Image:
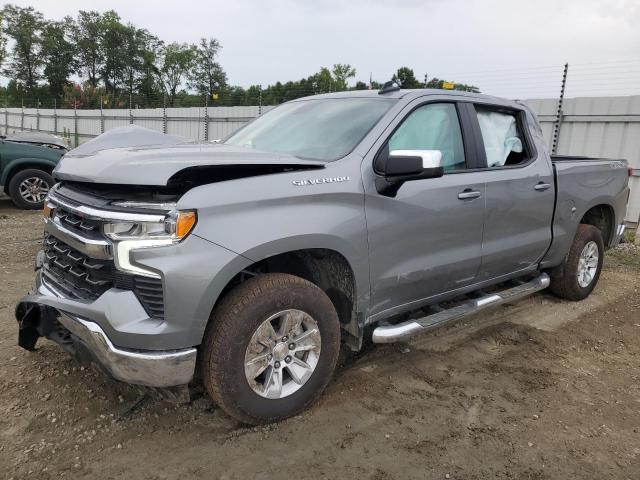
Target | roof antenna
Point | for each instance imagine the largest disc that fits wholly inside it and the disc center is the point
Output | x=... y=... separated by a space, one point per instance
x=389 y=87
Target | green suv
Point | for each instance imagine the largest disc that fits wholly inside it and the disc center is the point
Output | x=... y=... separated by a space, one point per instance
x=26 y=162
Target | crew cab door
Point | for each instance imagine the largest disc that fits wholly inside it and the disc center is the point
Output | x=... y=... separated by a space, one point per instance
x=426 y=238
x=519 y=193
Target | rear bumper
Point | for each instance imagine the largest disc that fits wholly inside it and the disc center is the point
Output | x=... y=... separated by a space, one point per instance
x=87 y=341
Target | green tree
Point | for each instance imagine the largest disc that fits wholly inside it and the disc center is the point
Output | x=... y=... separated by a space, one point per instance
x=406 y=78
x=341 y=73
x=321 y=82
x=138 y=48
x=207 y=76
x=17 y=95
x=148 y=83
x=253 y=95
x=115 y=39
x=3 y=39
x=24 y=27
x=58 y=54
x=87 y=36
x=177 y=60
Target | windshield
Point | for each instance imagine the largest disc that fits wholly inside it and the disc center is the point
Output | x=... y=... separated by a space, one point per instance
x=322 y=129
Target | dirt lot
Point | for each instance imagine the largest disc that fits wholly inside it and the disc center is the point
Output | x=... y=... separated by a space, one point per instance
x=539 y=389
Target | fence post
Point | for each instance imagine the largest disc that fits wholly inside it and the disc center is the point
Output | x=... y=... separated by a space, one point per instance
x=260 y=101
x=101 y=117
x=38 y=115
x=164 y=113
x=130 y=109
x=559 y=114
x=22 y=117
x=206 y=119
x=55 y=116
x=75 y=123
x=6 y=119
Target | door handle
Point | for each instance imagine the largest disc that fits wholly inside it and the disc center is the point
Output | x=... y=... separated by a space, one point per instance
x=469 y=194
x=542 y=186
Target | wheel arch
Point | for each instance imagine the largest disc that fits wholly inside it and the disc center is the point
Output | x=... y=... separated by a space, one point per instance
x=19 y=165
x=601 y=216
x=327 y=268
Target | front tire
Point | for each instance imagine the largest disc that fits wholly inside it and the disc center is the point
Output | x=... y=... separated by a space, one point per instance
x=28 y=188
x=580 y=271
x=270 y=348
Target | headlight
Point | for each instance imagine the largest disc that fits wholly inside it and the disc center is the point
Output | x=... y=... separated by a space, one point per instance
x=176 y=226
x=128 y=236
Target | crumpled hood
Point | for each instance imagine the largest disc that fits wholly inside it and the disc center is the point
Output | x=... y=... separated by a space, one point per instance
x=137 y=156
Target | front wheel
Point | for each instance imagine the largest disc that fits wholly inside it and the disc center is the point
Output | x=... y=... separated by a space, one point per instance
x=581 y=268
x=28 y=188
x=270 y=348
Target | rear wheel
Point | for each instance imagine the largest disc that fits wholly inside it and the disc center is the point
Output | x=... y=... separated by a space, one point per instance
x=28 y=188
x=270 y=348
x=580 y=271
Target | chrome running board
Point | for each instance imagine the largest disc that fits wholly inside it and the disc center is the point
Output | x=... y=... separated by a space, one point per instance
x=405 y=330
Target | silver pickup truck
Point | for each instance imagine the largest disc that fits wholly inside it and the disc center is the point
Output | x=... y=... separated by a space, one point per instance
x=244 y=264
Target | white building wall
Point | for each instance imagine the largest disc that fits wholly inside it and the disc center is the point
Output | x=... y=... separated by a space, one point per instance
x=598 y=127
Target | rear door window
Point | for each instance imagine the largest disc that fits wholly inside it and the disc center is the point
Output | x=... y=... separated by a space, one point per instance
x=504 y=144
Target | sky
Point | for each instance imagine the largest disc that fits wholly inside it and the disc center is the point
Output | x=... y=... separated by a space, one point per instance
x=511 y=48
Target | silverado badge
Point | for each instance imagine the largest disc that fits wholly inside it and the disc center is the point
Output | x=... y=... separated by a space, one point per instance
x=317 y=181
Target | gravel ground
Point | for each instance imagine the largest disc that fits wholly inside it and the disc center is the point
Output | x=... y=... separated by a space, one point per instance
x=535 y=390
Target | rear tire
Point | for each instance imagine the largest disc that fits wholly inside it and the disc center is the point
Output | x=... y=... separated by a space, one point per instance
x=236 y=342
x=28 y=188
x=580 y=271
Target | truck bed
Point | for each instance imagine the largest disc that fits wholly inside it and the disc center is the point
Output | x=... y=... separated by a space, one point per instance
x=581 y=184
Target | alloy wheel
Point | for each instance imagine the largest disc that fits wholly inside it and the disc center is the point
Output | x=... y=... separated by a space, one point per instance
x=282 y=354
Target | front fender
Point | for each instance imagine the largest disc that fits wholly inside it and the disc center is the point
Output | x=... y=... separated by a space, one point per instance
x=15 y=165
x=194 y=273
x=259 y=217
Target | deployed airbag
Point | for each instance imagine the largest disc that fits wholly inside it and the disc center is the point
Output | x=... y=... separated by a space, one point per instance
x=500 y=136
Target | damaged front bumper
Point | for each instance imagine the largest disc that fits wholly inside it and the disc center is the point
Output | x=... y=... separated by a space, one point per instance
x=88 y=343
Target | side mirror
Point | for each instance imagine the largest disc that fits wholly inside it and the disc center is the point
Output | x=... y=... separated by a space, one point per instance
x=429 y=158
x=399 y=166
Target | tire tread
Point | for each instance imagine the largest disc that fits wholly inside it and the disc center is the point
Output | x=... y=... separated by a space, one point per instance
x=222 y=327
x=566 y=285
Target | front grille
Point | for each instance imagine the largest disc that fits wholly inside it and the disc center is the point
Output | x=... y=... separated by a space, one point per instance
x=87 y=227
x=73 y=273
x=78 y=276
